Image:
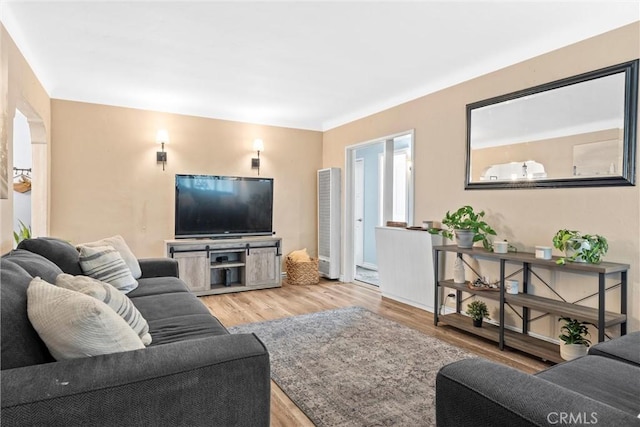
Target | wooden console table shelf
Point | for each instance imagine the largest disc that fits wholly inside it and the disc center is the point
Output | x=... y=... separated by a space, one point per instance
x=522 y=340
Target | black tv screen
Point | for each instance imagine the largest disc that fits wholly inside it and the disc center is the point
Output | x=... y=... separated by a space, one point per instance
x=223 y=206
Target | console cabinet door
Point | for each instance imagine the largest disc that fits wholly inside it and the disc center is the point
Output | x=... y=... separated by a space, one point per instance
x=194 y=269
x=263 y=267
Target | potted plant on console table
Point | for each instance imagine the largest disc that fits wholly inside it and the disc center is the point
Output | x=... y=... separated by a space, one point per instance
x=478 y=310
x=467 y=226
x=589 y=248
x=574 y=337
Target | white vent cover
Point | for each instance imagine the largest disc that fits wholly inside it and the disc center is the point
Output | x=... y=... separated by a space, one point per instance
x=329 y=222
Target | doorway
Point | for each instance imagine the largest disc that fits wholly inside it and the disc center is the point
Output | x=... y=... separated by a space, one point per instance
x=22 y=177
x=377 y=191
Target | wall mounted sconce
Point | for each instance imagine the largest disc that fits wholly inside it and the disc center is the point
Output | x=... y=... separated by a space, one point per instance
x=258 y=146
x=162 y=137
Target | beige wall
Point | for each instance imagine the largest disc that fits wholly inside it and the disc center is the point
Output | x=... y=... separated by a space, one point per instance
x=20 y=88
x=105 y=179
x=525 y=217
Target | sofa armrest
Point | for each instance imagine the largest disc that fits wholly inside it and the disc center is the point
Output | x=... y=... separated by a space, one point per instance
x=477 y=392
x=222 y=380
x=159 y=267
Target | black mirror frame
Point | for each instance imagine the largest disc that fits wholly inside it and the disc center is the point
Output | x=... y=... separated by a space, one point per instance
x=627 y=177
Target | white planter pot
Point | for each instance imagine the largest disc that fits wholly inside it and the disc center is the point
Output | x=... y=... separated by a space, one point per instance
x=584 y=246
x=464 y=238
x=572 y=351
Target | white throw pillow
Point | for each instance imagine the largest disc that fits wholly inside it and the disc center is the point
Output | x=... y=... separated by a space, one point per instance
x=118 y=243
x=105 y=263
x=74 y=325
x=109 y=295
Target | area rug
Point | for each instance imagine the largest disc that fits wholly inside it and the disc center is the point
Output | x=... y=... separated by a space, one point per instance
x=351 y=367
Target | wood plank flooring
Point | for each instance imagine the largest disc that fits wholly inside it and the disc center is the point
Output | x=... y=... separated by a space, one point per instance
x=291 y=300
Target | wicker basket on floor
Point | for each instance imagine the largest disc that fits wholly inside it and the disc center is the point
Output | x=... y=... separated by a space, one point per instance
x=302 y=272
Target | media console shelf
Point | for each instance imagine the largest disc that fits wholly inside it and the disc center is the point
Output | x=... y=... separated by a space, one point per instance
x=521 y=340
x=217 y=266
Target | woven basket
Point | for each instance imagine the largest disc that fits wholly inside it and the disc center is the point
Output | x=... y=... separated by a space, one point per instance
x=302 y=273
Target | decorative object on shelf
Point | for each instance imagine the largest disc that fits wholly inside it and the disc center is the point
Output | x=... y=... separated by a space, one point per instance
x=574 y=333
x=511 y=286
x=162 y=137
x=467 y=226
x=483 y=285
x=458 y=271
x=478 y=310
x=399 y=224
x=426 y=225
x=258 y=146
x=543 y=252
x=589 y=248
x=501 y=247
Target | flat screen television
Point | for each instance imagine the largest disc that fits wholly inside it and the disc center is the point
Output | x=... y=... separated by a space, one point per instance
x=210 y=206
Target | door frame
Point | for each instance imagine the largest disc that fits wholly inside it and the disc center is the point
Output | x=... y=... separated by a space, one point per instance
x=348 y=255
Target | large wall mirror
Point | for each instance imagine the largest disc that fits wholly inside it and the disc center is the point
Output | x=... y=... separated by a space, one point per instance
x=579 y=131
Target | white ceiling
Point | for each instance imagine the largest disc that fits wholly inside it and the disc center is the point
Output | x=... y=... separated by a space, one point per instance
x=310 y=65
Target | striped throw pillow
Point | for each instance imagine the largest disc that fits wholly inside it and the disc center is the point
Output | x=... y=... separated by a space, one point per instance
x=74 y=325
x=106 y=264
x=109 y=295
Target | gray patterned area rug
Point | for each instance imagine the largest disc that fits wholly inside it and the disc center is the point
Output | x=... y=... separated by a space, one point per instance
x=351 y=367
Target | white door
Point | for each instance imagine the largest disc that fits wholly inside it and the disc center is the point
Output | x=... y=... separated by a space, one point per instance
x=358 y=225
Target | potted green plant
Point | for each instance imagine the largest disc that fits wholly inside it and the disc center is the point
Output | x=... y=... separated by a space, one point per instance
x=574 y=336
x=467 y=226
x=478 y=310
x=589 y=248
x=23 y=233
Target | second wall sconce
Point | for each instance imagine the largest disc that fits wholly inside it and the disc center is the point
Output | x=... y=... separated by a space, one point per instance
x=258 y=146
x=162 y=137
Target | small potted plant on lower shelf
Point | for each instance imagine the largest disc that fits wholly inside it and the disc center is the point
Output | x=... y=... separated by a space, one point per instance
x=467 y=226
x=478 y=311
x=589 y=248
x=574 y=336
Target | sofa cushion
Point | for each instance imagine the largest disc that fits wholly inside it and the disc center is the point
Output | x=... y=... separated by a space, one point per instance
x=625 y=348
x=61 y=252
x=164 y=306
x=118 y=243
x=34 y=264
x=109 y=295
x=20 y=343
x=187 y=327
x=603 y=379
x=106 y=264
x=74 y=325
x=157 y=285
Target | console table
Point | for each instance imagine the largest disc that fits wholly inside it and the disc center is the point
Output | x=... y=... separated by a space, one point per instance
x=521 y=340
x=216 y=266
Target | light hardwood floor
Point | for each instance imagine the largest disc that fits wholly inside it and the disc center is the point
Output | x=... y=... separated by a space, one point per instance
x=290 y=300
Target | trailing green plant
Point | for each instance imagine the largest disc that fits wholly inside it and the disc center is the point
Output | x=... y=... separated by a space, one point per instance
x=466 y=218
x=478 y=310
x=588 y=247
x=23 y=233
x=574 y=331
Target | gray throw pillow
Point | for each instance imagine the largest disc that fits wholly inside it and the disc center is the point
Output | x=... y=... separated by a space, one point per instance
x=106 y=264
x=74 y=325
x=118 y=243
x=109 y=295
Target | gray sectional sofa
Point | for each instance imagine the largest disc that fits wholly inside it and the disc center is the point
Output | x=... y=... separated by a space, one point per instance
x=194 y=372
x=600 y=389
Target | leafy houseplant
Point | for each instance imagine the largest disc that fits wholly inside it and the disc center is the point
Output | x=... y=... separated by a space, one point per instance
x=466 y=220
x=478 y=311
x=574 y=336
x=23 y=233
x=589 y=248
